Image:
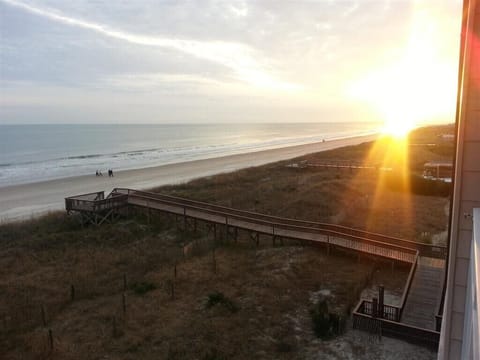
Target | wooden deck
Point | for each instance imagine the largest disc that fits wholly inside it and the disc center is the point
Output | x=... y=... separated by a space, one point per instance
x=425 y=293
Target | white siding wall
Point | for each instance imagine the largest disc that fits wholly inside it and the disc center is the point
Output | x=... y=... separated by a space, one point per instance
x=466 y=191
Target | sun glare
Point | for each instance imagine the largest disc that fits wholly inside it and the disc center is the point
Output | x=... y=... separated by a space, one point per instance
x=397 y=129
x=417 y=88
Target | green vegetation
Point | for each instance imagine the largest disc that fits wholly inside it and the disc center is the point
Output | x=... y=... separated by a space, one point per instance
x=218 y=298
x=327 y=324
x=143 y=287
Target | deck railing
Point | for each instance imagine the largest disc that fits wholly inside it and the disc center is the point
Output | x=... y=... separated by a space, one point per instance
x=390 y=312
x=471 y=336
x=430 y=250
x=408 y=285
x=394 y=329
x=95 y=202
x=341 y=236
x=269 y=225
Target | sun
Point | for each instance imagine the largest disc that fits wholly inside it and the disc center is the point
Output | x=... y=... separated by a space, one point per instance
x=418 y=87
x=397 y=128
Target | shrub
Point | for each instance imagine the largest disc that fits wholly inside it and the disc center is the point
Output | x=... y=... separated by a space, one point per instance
x=218 y=298
x=143 y=287
x=326 y=324
x=213 y=354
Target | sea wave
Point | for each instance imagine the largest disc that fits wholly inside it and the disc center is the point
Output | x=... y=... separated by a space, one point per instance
x=171 y=151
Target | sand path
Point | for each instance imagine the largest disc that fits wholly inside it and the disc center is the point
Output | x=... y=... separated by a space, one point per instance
x=28 y=200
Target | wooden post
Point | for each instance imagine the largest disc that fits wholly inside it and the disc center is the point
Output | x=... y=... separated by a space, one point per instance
x=72 y=292
x=374 y=307
x=273 y=235
x=50 y=339
x=381 y=291
x=114 y=327
x=226 y=228
x=184 y=219
x=214 y=261
x=124 y=304
x=44 y=317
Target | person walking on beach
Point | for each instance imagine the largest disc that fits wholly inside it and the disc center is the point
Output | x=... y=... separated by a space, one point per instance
x=110 y=173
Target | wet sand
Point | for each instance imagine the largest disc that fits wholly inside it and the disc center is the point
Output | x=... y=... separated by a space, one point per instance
x=19 y=202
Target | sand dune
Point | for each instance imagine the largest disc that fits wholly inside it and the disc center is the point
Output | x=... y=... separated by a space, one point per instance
x=28 y=200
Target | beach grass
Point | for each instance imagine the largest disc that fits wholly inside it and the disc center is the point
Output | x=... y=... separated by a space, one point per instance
x=130 y=290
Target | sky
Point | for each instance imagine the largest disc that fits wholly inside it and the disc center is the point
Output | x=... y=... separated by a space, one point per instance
x=175 y=61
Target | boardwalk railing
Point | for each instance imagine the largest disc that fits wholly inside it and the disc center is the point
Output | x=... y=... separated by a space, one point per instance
x=387 y=327
x=424 y=249
x=95 y=202
x=390 y=312
x=408 y=286
x=387 y=321
x=335 y=235
x=269 y=225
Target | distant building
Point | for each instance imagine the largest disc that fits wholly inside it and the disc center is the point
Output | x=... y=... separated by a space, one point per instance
x=446 y=137
x=438 y=170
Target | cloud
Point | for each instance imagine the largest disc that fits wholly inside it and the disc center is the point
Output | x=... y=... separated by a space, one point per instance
x=236 y=56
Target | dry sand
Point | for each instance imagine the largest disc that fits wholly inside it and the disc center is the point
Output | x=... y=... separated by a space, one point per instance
x=28 y=200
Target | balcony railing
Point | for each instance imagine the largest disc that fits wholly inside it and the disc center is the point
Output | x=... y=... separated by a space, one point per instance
x=471 y=346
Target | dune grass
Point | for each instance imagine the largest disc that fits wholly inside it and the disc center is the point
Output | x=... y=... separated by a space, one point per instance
x=129 y=290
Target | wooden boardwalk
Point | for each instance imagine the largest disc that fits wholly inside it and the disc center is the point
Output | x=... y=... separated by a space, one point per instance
x=425 y=292
x=103 y=209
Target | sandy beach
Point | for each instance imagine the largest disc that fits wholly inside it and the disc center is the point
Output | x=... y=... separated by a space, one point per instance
x=29 y=200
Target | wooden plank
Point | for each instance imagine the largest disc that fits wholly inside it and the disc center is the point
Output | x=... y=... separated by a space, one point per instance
x=425 y=293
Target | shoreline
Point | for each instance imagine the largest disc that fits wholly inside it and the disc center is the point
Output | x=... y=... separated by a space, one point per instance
x=24 y=201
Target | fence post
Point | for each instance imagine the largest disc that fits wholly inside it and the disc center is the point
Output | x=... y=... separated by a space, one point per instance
x=273 y=234
x=50 y=339
x=226 y=228
x=184 y=219
x=381 y=291
x=44 y=317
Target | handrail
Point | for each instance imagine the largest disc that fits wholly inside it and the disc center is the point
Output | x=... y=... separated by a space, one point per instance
x=406 y=291
x=279 y=226
x=338 y=228
x=120 y=196
x=76 y=197
x=360 y=308
x=395 y=329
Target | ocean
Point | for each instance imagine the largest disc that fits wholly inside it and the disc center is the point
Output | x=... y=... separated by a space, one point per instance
x=32 y=153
